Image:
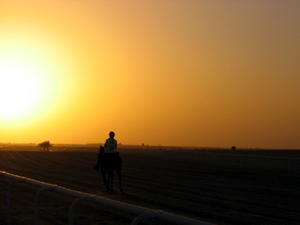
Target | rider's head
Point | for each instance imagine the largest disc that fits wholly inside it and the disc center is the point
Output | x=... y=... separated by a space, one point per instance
x=111 y=134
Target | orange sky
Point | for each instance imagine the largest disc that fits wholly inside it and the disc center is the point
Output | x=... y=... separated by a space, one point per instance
x=187 y=73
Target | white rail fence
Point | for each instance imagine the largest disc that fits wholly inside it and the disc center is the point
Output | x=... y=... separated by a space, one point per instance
x=141 y=212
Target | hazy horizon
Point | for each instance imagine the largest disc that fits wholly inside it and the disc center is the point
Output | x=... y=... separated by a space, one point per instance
x=146 y=146
x=171 y=73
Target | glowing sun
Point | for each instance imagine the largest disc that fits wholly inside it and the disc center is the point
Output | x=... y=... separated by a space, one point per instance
x=20 y=87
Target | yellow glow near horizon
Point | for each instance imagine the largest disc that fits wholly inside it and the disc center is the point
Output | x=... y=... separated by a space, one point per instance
x=40 y=68
x=198 y=73
x=27 y=78
x=20 y=88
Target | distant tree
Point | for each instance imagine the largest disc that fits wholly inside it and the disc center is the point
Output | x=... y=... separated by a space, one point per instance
x=45 y=146
x=233 y=148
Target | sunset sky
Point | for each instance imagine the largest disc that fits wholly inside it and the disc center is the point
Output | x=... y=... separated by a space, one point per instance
x=201 y=73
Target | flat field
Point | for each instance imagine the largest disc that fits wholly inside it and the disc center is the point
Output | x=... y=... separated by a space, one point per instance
x=216 y=186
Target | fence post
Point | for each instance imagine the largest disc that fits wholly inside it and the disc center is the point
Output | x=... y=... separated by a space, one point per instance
x=36 y=202
x=138 y=219
x=81 y=199
x=8 y=199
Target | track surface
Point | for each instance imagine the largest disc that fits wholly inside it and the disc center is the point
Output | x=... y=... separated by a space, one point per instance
x=180 y=182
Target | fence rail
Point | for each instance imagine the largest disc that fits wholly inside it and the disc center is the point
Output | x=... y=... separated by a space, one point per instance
x=141 y=212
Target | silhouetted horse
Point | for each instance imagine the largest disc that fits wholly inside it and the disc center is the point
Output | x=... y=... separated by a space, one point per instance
x=108 y=163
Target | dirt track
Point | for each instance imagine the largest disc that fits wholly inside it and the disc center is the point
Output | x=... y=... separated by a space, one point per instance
x=186 y=183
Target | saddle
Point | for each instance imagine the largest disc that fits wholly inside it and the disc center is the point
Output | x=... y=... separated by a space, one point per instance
x=107 y=160
x=111 y=158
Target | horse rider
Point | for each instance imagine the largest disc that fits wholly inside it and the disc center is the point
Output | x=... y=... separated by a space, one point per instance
x=110 y=144
x=109 y=154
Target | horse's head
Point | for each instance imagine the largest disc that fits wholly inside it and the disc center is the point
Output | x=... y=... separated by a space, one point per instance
x=101 y=149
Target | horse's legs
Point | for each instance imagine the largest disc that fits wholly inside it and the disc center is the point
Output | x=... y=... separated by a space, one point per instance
x=120 y=180
x=104 y=180
x=108 y=182
x=111 y=183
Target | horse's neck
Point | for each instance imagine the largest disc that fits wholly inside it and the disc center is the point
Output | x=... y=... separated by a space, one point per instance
x=101 y=150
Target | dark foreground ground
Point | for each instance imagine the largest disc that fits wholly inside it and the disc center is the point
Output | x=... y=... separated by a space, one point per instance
x=220 y=187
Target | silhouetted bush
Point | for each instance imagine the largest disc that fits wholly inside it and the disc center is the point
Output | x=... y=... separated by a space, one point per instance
x=45 y=146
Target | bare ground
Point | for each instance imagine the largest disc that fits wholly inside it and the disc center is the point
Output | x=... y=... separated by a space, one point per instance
x=213 y=186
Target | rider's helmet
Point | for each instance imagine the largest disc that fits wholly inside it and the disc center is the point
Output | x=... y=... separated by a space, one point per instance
x=111 y=134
